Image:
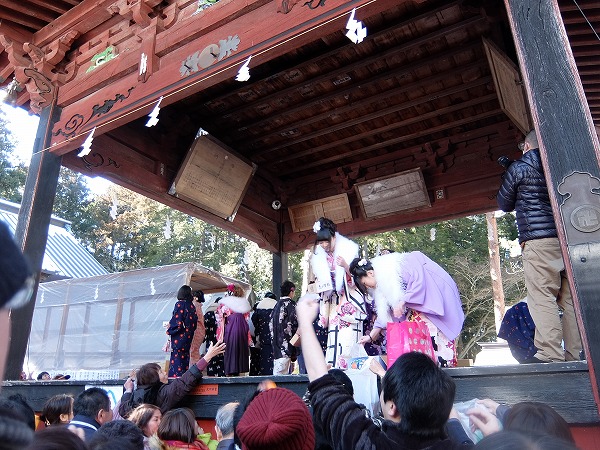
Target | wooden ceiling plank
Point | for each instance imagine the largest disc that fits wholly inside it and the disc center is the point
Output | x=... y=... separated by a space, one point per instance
x=350 y=107
x=333 y=53
x=372 y=80
x=21 y=19
x=52 y=5
x=383 y=112
x=374 y=131
x=363 y=62
x=38 y=13
x=389 y=142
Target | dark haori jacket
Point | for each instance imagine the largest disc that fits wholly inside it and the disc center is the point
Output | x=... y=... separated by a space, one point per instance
x=524 y=190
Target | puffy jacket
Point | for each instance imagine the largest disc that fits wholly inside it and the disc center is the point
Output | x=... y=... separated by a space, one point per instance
x=524 y=190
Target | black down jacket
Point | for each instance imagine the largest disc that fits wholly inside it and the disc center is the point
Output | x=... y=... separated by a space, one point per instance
x=524 y=190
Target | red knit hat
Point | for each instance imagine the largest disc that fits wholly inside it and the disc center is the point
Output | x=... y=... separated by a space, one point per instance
x=276 y=419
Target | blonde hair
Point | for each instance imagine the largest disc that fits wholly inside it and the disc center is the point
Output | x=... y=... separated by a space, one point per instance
x=237 y=291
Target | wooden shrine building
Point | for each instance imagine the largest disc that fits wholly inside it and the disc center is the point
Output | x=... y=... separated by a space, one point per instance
x=402 y=128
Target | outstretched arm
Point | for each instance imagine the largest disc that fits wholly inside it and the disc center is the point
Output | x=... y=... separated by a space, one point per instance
x=307 y=310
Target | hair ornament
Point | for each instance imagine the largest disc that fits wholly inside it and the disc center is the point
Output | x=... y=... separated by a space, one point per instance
x=363 y=262
x=230 y=288
x=317 y=226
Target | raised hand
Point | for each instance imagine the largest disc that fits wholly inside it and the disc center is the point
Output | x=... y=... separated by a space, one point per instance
x=214 y=349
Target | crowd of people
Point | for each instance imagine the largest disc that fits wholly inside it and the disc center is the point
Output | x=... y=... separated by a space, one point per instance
x=352 y=300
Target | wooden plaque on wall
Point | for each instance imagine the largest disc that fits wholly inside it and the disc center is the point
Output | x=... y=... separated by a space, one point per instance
x=388 y=195
x=213 y=177
x=304 y=215
x=507 y=80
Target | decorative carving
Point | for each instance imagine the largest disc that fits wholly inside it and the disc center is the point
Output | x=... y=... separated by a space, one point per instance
x=59 y=48
x=580 y=210
x=45 y=60
x=140 y=11
x=73 y=125
x=209 y=55
x=41 y=90
x=203 y=4
x=97 y=160
x=347 y=176
x=285 y=6
x=103 y=57
x=171 y=13
x=311 y=6
x=98 y=110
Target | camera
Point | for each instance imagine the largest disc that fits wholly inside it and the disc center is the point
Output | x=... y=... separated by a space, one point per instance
x=505 y=162
x=276 y=205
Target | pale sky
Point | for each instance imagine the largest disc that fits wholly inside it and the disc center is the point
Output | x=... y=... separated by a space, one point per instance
x=23 y=127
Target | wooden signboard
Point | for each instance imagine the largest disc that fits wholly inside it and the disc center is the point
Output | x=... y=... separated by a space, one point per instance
x=509 y=87
x=404 y=191
x=213 y=177
x=304 y=215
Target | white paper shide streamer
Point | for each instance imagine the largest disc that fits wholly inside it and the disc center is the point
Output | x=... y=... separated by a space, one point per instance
x=86 y=148
x=244 y=72
x=356 y=31
x=153 y=116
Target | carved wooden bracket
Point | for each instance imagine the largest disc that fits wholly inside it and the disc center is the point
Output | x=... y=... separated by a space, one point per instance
x=141 y=11
x=45 y=60
x=433 y=154
x=40 y=88
x=171 y=13
x=347 y=176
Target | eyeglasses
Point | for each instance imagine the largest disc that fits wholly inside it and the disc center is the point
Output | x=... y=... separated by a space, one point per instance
x=521 y=145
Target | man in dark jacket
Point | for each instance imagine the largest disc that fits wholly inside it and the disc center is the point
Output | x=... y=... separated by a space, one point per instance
x=524 y=190
x=91 y=410
x=416 y=400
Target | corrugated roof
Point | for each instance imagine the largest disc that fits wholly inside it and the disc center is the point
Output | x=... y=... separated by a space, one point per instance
x=64 y=256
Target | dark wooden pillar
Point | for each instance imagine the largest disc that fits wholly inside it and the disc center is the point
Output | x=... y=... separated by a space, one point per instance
x=279 y=261
x=32 y=231
x=570 y=152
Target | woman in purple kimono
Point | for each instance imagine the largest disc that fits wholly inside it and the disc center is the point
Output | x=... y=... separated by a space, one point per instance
x=181 y=331
x=232 y=328
x=410 y=286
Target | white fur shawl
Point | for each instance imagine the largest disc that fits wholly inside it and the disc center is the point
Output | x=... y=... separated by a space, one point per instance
x=236 y=304
x=345 y=248
x=389 y=293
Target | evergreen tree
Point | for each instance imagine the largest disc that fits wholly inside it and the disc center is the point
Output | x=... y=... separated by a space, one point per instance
x=12 y=179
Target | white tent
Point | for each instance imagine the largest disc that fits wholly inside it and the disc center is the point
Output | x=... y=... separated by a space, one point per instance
x=111 y=322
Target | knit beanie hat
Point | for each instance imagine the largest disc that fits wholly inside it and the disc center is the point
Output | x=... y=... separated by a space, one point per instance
x=276 y=419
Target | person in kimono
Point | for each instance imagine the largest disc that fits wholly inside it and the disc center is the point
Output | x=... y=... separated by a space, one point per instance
x=181 y=331
x=342 y=311
x=410 y=286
